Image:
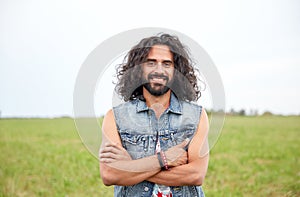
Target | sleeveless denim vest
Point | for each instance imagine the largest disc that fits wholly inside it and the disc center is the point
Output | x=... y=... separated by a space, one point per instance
x=138 y=128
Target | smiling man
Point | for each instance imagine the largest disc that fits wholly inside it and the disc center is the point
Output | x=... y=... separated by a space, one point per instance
x=158 y=70
x=155 y=144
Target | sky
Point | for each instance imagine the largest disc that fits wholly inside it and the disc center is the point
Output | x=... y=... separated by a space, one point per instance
x=255 y=46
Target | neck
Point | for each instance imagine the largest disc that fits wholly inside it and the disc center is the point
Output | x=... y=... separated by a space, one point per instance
x=151 y=100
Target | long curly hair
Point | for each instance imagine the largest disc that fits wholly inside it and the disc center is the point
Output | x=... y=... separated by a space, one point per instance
x=129 y=73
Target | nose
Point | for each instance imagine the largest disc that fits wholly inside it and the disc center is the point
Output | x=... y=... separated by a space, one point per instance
x=159 y=67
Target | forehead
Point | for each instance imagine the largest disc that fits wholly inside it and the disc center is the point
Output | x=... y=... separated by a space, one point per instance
x=160 y=52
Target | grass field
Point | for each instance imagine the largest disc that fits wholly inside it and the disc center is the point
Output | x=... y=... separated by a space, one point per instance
x=254 y=156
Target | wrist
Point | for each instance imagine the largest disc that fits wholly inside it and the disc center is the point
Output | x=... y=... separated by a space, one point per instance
x=161 y=163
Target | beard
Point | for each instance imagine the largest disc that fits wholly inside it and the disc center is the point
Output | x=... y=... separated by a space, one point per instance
x=157 y=89
x=156 y=92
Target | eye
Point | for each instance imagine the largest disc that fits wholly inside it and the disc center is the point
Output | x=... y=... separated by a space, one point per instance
x=167 y=64
x=150 y=63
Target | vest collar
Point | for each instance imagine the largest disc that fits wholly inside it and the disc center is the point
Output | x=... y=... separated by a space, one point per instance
x=175 y=105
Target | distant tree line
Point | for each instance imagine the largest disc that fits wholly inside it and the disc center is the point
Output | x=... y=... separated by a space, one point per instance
x=241 y=112
x=251 y=112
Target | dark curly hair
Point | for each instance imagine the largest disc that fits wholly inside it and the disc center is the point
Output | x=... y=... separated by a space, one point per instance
x=129 y=73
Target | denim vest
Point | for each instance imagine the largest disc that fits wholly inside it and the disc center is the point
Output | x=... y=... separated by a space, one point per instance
x=138 y=128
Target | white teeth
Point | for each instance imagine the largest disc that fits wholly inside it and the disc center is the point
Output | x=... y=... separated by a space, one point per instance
x=158 y=80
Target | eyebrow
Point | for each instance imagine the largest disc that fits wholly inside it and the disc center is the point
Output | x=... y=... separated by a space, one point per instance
x=155 y=60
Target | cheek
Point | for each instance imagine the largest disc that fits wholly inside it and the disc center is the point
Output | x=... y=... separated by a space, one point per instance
x=171 y=74
x=145 y=73
x=144 y=76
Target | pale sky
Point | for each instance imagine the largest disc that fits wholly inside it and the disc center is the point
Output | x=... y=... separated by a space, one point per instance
x=254 y=44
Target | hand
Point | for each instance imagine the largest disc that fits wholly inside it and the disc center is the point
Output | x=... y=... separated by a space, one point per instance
x=177 y=155
x=112 y=152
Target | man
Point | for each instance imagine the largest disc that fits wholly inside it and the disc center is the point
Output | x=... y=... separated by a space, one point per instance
x=155 y=144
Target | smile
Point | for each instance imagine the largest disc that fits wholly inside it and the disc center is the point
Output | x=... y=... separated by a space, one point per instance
x=158 y=78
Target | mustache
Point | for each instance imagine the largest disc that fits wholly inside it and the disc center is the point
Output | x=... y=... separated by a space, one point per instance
x=160 y=76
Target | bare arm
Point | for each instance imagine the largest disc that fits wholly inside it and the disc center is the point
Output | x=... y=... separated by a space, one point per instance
x=116 y=166
x=194 y=171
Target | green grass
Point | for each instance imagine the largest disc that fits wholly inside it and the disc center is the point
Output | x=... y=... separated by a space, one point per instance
x=254 y=156
x=44 y=157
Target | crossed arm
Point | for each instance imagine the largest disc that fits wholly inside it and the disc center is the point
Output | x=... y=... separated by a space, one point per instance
x=117 y=167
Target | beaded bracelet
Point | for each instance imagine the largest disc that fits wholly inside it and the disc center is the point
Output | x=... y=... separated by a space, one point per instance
x=164 y=159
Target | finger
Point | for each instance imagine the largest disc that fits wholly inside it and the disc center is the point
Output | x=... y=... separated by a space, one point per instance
x=114 y=156
x=108 y=155
x=110 y=150
x=114 y=145
x=107 y=160
x=184 y=143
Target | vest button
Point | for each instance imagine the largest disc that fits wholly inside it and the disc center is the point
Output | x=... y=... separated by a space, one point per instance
x=146 y=189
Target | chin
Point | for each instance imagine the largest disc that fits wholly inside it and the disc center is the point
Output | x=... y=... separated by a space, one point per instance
x=158 y=92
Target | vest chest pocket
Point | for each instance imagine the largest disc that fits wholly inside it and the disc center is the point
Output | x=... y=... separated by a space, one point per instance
x=184 y=133
x=174 y=137
x=136 y=145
